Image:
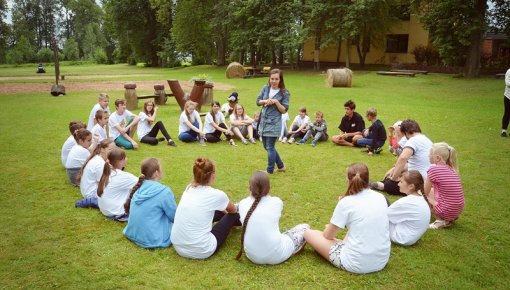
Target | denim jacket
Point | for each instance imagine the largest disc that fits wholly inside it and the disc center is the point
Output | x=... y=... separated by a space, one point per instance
x=271 y=117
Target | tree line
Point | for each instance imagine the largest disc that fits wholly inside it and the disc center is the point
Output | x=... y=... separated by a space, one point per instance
x=166 y=32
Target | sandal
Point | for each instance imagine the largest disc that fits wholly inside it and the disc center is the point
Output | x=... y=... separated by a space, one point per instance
x=231 y=141
x=439 y=224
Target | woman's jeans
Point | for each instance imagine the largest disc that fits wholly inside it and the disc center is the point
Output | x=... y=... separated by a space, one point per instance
x=272 y=155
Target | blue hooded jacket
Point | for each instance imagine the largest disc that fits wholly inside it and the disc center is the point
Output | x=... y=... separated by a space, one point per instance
x=151 y=215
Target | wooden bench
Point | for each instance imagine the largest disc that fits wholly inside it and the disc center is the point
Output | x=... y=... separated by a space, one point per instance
x=500 y=76
x=424 y=72
x=254 y=72
x=394 y=73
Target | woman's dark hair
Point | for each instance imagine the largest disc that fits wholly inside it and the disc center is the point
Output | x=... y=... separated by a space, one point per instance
x=414 y=177
x=259 y=187
x=75 y=125
x=148 y=167
x=350 y=104
x=409 y=127
x=97 y=151
x=358 y=177
x=281 y=85
x=114 y=157
x=211 y=112
x=81 y=134
x=203 y=168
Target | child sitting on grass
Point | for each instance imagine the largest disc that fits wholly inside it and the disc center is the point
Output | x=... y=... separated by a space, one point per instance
x=151 y=208
x=71 y=140
x=375 y=136
x=318 y=129
x=102 y=104
x=99 y=128
x=79 y=153
x=443 y=187
x=123 y=125
x=396 y=139
x=260 y=215
x=299 y=126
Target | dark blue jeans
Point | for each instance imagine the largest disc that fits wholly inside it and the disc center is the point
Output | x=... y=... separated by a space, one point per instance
x=272 y=155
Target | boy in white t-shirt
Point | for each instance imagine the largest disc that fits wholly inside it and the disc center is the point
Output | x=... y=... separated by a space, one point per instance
x=122 y=124
x=299 y=127
x=102 y=104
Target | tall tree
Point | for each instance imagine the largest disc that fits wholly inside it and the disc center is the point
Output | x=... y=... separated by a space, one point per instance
x=4 y=30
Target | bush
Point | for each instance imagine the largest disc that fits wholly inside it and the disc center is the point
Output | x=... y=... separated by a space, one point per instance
x=45 y=55
x=14 y=56
x=427 y=55
x=100 y=56
x=71 y=51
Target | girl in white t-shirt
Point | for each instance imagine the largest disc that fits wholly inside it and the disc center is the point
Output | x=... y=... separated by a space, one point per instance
x=70 y=141
x=190 y=124
x=260 y=215
x=299 y=126
x=242 y=124
x=114 y=186
x=79 y=153
x=99 y=129
x=91 y=172
x=409 y=216
x=193 y=235
x=215 y=125
x=364 y=212
x=148 y=128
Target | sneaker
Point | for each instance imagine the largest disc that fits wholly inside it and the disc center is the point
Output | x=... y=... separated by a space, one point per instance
x=244 y=141
x=87 y=202
x=439 y=224
x=291 y=140
x=284 y=140
x=300 y=142
x=374 y=185
x=171 y=143
x=504 y=134
x=202 y=142
x=314 y=143
x=378 y=150
x=252 y=140
x=283 y=169
x=233 y=143
x=161 y=139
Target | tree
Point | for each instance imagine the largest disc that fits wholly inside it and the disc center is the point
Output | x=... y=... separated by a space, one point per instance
x=4 y=30
x=71 y=51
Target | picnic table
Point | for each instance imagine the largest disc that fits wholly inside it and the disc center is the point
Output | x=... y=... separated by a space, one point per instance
x=251 y=72
x=394 y=73
x=410 y=71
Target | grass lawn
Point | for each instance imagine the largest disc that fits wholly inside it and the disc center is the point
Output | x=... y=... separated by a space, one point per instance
x=47 y=243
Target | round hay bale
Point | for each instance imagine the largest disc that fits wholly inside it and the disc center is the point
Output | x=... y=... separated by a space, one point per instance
x=339 y=77
x=235 y=70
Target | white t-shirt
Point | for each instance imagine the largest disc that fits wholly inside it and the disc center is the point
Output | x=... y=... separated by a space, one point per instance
x=285 y=119
x=409 y=219
x=91 y=175
x=191 y=233
x=77 y=157
x=100 y=131
x=225 y=108
x=143 y=126
x=66 y=148
x=420 y=161
x=118 y=120
x=368 y=245
x=263 y=242
x=111 y=203
x=208 y=127
x=298 y=121
x=183 y=127
x=234 y=119
x=92 y=115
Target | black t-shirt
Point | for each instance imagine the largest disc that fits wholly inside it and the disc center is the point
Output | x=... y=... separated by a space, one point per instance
x=355 y=124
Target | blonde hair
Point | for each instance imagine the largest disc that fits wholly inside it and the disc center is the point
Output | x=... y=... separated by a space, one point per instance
x=235 y=111
x=447 y=153
x=319 y=114
x=372 y=112
x=103 y=96
x=187 y=105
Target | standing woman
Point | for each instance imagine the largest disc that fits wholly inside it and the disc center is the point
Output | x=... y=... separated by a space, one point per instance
x=275 y=101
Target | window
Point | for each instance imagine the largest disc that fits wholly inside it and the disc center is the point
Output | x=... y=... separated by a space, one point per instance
x=397 y=43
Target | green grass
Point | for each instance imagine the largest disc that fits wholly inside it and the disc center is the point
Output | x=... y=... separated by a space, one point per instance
x=47 y=243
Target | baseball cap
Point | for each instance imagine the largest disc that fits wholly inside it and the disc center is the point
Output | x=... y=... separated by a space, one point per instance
x=397 y=124
x=233 y=97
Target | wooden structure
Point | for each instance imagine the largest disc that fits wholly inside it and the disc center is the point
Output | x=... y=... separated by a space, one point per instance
x=254 y=72
x=160 y=97
x=394 y=73
x=500 y=76
x=201 y=93
x=424 y=72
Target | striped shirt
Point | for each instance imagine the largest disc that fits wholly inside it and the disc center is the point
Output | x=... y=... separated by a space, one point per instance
x=447 y=190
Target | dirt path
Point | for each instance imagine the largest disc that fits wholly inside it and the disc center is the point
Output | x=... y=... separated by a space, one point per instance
x=96 y=86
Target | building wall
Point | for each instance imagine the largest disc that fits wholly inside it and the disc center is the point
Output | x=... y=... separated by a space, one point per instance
x=376 y=55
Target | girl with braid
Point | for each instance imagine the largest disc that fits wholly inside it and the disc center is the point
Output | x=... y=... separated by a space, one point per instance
x=260 y=214
x=193 y=235
x=364 y=212
x=151 y=208
x=91 y=172
x=114 y=186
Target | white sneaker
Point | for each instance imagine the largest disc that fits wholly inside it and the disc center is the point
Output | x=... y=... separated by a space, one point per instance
x=291 y=140
x=439 y=224
x=284 y=140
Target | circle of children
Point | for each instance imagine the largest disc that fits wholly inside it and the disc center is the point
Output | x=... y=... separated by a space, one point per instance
x=425 y=174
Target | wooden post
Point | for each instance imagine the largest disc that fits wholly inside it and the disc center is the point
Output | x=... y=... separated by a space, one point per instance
x=207 y=95
x=159 y=92
x=196 y=94
x=130 y=96
x=179 y=95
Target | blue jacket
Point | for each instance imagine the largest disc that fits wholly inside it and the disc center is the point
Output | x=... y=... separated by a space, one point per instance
x=270 y=117
x=151 y=215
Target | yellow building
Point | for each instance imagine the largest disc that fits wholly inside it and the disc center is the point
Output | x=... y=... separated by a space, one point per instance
x=399 y=42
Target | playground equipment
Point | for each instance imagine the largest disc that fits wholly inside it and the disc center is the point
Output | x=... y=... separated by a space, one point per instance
x=160 y=97
x=201 y=93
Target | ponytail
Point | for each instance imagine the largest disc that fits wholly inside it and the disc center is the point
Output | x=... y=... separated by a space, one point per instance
x=97 y=151
x=358 y=177
x=114 y=157
x=127 y=204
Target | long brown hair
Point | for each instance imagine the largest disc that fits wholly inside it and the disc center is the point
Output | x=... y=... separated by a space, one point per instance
x=259 y=187
x=203 y=168
x=213 y=115
x=97 y=151
x=81 y=134
x=281 y=85
x=358 y=177
x=114 y=157
x=414 y=177
x=148 y=167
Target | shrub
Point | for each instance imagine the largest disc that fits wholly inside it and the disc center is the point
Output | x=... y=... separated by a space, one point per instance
x=71 y=51
x=45 y=55
x=427 y=55
x=100 y=56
